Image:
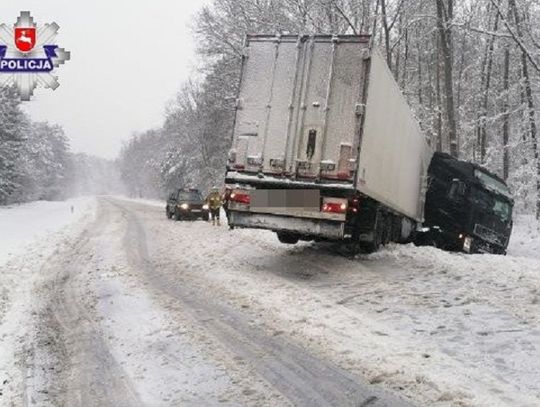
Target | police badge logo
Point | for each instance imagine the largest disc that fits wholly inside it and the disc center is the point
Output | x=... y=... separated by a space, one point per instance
x=29 y=55
x=25 y=39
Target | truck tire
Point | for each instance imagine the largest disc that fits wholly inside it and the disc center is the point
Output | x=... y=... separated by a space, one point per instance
x=381 y=231
x=287 y=238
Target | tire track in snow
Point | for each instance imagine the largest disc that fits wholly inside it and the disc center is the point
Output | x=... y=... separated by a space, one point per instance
x=70 y=362
x=301 y=377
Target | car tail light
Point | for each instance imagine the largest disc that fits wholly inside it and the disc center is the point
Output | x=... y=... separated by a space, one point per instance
x=240 y=197
x=334 y=205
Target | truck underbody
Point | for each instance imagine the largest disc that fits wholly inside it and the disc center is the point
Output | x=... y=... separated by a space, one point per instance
x=341 y=214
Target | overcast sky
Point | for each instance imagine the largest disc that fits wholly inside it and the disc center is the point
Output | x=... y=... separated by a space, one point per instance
x=128 y=59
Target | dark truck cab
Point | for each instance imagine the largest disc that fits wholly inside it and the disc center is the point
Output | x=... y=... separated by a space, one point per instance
x=467 y=208
x=186 y=203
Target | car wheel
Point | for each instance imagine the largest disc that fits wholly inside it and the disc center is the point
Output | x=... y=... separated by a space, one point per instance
x=168 y=213
x=177 y=215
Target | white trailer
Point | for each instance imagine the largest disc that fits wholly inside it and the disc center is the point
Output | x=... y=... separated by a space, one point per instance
x=324 y=144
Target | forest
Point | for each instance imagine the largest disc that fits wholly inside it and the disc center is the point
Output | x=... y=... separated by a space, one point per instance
x=470 y=71
x=36 y=162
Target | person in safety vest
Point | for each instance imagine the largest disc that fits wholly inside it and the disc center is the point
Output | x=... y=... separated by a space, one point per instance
x=214 y=202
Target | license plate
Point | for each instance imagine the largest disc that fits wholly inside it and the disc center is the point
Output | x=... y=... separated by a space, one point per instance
x=195 y=210
x=306 y=199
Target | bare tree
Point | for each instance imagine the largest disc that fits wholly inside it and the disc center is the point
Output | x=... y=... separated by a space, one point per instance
x=444 y=18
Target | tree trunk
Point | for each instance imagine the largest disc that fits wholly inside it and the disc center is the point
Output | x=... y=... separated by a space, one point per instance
x=444 y=17
x=486 y=76
x=506 y=114
x=533 y=132
x=439 y=98
x=405 y=52
x=386 y=29
x=375 y=19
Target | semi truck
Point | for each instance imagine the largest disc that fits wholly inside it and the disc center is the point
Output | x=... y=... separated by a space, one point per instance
x=325 y=146
x=468 y=208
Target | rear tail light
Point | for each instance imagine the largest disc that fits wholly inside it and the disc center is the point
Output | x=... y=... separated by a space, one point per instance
x=334 y=205
x=240 y=197
x=354 y=205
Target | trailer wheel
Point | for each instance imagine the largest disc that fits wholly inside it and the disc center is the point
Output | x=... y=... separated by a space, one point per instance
x=375 y=244
x=386 y=229
x=287 y=238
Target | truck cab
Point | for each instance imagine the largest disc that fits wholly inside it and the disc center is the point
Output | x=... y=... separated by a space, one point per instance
x=467 y=207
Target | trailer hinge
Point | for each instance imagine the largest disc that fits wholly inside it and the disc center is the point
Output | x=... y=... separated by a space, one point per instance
x=359 y=109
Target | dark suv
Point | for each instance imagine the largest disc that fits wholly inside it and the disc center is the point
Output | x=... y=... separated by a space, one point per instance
x=186 y=203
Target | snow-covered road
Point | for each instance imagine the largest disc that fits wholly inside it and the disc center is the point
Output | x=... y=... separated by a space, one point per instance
x=128 y=308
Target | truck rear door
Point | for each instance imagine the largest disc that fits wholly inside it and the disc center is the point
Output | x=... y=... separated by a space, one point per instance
x=300 y=105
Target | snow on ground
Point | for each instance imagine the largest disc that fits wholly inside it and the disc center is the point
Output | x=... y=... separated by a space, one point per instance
x=150 y=202
x=29 y=234
x=525 y=239
x=166 y=359
x=446 y=328
x=20 y=225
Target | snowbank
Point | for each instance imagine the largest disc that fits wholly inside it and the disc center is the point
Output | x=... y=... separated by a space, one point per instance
x=29 y=235
x=525 y=239
x=22 y=225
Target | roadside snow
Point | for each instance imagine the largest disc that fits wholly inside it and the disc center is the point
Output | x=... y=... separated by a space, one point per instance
x=21 y=225
x=525 y=239
x=29 y=234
